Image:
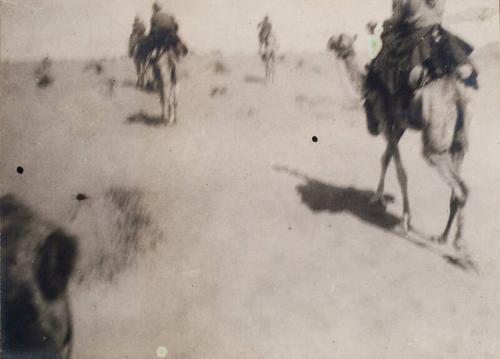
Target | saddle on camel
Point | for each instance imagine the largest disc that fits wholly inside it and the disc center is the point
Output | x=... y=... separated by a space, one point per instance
x=416 y=50
x=162 y=36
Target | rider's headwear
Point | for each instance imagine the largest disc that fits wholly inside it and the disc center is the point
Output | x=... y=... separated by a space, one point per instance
x=370 y=26
x=156 y=6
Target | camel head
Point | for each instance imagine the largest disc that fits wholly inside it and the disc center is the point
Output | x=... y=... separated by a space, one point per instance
x=38 y=260
x=342 y=45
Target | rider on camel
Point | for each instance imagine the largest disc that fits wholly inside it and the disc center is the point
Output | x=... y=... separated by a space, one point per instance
x=265 y=27
x=138 y=32
x=138 y=26
x=416 y=50
x=163 y=31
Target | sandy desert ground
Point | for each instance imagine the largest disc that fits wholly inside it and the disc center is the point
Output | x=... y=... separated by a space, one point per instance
x=233 y=234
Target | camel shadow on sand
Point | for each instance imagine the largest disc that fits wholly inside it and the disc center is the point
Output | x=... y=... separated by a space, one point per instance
x=146 y=119
x=322 y=197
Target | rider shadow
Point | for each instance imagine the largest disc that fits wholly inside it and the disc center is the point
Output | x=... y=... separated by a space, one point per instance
x=321 y=197
x=145 y=119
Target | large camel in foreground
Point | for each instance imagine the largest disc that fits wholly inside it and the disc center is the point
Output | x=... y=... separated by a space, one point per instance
x=441 y=109
x=38 y=260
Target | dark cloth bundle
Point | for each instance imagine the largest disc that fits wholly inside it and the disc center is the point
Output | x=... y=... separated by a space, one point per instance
x=405 y=47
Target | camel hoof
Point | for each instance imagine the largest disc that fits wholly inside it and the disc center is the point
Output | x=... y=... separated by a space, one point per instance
x=405 y=224
x=459 y=246
x=439 y=239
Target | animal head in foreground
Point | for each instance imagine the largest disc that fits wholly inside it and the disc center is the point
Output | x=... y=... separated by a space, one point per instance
x=37 y=262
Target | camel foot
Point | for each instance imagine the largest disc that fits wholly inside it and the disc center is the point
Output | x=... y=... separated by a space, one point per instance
x=464 y=256
x=441 y=239
x=171 y=120
x=459 y=246
x=405 y=224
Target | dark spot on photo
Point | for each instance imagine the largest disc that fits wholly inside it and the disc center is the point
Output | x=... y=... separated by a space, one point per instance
x=81 y=197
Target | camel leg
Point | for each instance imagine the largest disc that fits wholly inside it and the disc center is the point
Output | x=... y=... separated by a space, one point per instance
x=458 y=150
x=144 y=69
x=270 y=68
x=171 y=115
x=140 y=74
x=445 y=145
x=267 y=63
x=144 y=66
x=174 y=96
x=392 y=141
x=448 y=170
x=161 y=80
x=273 y=64
x=138 y=71
x=378 y=198
x=456 y=207
x=458 y=241
x=403 y=182
x=162 y=103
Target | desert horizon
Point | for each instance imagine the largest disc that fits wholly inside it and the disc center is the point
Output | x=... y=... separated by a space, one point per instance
x=30 y=30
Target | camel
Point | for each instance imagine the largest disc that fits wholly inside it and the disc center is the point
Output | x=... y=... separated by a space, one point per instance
x=163 y=62
x=268 y=55
x=441 y=107
x=38 y=260
x=139 y=48
x=165 y=73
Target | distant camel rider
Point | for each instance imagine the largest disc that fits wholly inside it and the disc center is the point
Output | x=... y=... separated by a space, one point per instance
x=163 y=32
x=265 y=27
x=138 y=27
x=138 y=32
x=416 y=49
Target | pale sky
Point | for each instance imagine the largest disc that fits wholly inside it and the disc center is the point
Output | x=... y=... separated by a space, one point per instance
x=31 y=29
